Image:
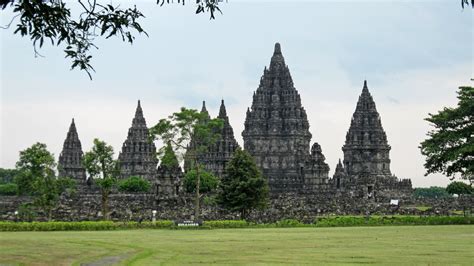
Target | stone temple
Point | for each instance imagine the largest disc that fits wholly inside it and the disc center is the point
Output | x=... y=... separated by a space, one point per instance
x=70 y=159
x=276 y=133
x=221 y=152
x=138 y=155
x=366 y=166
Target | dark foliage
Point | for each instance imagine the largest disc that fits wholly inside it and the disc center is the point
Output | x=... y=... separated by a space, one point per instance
x=134 y=184
x=449 y=148
x=208 y=182
x=459 y=188
x=7 y=175
x=431 y=192
x=169 y=158
x=243 y=187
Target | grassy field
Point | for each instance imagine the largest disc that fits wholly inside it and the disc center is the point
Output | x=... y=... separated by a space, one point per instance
x=441 y=245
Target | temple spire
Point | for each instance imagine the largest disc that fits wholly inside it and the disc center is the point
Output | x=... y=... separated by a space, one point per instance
x=365 y=89
x=139 y=111
x=277 y=63
x=366 y=138
x=222 y=111
x=138 y=155
x=273 y=124
x=204 y=110
x=70 y=159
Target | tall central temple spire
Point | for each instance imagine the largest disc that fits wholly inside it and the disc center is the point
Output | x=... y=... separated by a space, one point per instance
x=138 y=156
x=276 y=130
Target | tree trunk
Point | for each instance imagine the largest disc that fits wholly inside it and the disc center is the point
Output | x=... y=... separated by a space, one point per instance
x=197 y=199
x=243 y=214
x=50 y=214
x=105 y=205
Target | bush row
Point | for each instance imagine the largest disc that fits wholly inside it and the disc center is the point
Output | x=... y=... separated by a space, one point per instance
x=338 y=221
x=391 y=220
x=81 y=226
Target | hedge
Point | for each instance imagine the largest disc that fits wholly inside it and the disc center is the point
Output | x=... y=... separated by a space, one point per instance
x=337 y=221
x=391 y=220
x=81 y=226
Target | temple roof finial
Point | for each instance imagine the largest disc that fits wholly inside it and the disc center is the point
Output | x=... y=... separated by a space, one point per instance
x=203 y=109
x=222 y=111
x=365 y=89
x=139 y=111
x=277 y=48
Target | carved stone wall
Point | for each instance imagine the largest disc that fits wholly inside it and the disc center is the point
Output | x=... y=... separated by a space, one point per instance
x=282 y=206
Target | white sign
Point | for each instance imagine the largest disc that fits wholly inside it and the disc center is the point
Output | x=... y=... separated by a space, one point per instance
x=394 y=202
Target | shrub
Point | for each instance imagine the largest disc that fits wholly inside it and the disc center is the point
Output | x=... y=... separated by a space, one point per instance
x=8 y=189
x=134 y=184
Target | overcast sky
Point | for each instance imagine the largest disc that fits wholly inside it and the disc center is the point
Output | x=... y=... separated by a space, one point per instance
x=414 y=55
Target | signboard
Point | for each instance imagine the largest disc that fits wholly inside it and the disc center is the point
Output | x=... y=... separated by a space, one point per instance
x=394 y=202
x=188 y=223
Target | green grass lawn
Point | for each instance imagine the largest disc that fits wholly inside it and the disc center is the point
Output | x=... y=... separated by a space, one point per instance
x=406 y=245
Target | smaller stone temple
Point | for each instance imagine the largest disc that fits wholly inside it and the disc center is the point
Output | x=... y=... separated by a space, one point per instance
x=138 y=155
x=366 y=166
x=219 y=154
x=169 y=176
x=222 y=151
x=70 y=160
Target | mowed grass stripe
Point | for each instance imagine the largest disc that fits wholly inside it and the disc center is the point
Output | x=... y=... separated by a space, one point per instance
x=435 y=245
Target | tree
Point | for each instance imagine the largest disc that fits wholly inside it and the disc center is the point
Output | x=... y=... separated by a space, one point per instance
x=134 y=184
x=169 y=158
x=459 y=188
x=179 y=129
x=431 y=192
x=449 y=148
x=208 y=181
x=37 y=178
x=101 y=166
x=34 y=162
x=243 y=186
x=53 y=21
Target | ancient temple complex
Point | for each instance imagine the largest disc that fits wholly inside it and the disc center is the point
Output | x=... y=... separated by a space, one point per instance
x=277 y=133
x=138 y=155
x=70 y=159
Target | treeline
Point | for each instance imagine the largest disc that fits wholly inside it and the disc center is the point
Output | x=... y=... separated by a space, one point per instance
x=435 y=192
